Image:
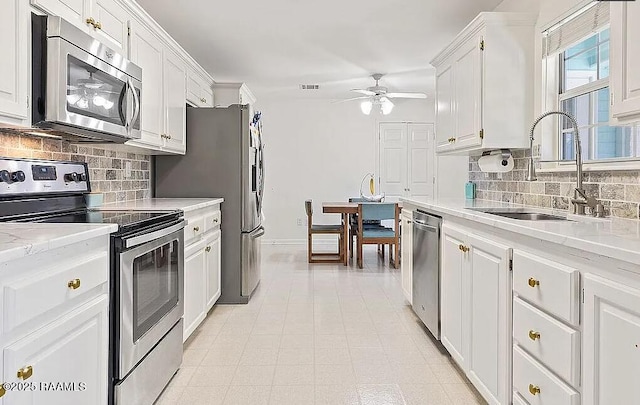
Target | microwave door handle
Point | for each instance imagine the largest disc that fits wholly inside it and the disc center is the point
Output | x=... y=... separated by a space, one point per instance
x=136 y=100
x=123 y=114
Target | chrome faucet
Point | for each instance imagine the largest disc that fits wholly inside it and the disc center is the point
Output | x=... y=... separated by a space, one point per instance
x=580 y=198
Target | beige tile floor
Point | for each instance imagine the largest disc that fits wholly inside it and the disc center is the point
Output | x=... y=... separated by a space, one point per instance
x=317 y=334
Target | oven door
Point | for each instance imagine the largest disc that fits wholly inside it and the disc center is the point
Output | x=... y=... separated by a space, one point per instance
x=86 y=93
x=151 y=292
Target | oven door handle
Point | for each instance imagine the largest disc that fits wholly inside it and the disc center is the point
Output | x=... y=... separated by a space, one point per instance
x=147 y=237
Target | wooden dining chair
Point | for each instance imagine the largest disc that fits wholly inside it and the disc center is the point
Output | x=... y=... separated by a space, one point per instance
x=323 y=257
x=379 y=235
x=353 y=226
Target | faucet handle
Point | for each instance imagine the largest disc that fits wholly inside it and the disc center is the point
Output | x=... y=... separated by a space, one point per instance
x=598 y=211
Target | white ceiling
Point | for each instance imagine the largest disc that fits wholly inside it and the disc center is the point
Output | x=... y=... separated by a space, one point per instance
x=275 y=45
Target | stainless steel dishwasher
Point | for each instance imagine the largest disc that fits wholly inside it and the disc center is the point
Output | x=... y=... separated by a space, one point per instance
x=426 y=270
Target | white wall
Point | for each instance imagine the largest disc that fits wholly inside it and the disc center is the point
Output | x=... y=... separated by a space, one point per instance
x=318 y=150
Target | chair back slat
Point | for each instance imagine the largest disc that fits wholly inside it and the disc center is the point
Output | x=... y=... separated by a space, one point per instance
x=308 y=206
x=357 y=200
x=378 y=211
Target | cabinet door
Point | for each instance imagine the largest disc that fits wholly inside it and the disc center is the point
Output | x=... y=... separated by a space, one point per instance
x=194 y=287
x=393 y=160
x=454 y=289
x=74 y=11
x=212 y=269
x=68 y=359
x=445 y=129
x=175 y=99
x=112 y=24
x=611 y=353
x=467 y=73
x=420 y=165
x=146 y=52
x=625 y=58
x=14 y=31
x=406 y=265
x=490 y=323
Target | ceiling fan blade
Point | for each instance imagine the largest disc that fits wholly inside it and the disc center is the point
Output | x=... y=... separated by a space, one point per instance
x=350 y=99
x=365 y=92
x=406 y=95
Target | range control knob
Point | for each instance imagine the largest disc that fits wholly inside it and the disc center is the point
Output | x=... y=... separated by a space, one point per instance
x=5 y=177
x=75 y=177
x=18 y=176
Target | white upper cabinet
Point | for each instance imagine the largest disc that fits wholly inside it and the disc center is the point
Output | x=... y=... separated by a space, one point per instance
x=484 y=86
x=226 y=94
x=199 y=91
x=175 y=87
x=625 y=59
x=74 y=11
x=14 y=29
x=146 y=52
x=111 y=24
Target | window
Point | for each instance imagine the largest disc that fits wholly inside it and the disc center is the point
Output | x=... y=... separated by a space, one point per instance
x=579 y=46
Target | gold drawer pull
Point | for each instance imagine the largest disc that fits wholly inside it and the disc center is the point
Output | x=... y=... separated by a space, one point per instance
x=533 y=283
x=196 y=229
x=91 y=21
x=534 y=335
x=25 y=372
x=534 y=389
x=208 y=249
x=74 y=284
x=98 y=25
x=2 y=390
x=215 y=220
x=463 y=248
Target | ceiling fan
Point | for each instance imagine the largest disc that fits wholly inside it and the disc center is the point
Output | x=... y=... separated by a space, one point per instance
x=379 y=95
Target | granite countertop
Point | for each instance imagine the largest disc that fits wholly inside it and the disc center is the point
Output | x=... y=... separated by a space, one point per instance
x=24 y=239
x=611 y=237
x=163 y=204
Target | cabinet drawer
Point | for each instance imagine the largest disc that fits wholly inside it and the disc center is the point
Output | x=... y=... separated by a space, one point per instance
x=212 y=221
x=549 y=285
x=25 y=299
x=529 y=375
x=194 y=228
x=556 y=345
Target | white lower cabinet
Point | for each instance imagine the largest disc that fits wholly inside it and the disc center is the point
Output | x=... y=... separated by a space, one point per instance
x=194 y=287
x=406 y=247
x=212 y=269
x=63 y=363
x=202 y=265
x=55 y=326
x=476 y=309
x=611 y=342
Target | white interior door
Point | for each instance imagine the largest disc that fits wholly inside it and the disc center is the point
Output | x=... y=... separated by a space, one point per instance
x=420 y=162
x=393 y=160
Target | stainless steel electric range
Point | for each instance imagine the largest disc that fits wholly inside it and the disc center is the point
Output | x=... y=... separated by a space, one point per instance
x=147 y=273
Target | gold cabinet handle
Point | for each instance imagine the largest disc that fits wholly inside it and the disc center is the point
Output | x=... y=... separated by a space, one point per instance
x=74 y=284
x=25 y=372
x=534 y=335
x=168 y=136
x=534 y=389
x=2 y=390
x=163 y=136
x=91 y=21
x=215 y=220
x=208 y=249
x=533 y=283
x=463 y=248
x=98 y=25
x=196 y=229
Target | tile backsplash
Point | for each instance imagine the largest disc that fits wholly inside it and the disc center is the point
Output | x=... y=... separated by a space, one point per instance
x=619 y=191
x=106 y=166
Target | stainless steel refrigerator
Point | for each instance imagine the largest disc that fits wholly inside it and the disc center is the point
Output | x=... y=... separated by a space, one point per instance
x=224 y=159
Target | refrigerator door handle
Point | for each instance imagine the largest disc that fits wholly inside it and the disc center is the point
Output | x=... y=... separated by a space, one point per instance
x=257 y=233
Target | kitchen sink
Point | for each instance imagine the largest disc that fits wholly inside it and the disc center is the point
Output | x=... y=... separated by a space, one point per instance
x=524 y=215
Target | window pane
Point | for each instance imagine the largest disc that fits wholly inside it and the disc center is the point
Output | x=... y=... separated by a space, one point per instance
x=580 y=108
x=612 y=142
x=603 y=68
x=581 y=69
x=604 y=35
x=590 y=42
x=568 y=146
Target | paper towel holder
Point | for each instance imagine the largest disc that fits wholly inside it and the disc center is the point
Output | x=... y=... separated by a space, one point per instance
x=506 y=154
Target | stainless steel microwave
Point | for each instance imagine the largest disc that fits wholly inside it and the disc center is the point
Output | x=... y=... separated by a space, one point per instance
x=82 y=89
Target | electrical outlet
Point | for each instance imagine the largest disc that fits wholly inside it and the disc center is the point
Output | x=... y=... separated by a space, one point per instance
x=499 y=175
x=127 y=170
x=300 y=223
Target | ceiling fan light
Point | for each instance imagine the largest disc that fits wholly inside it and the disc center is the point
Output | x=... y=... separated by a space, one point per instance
x=386 y=106
x=366 y=107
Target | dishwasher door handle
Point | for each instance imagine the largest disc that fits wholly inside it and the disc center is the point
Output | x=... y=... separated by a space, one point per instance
x=423 y=225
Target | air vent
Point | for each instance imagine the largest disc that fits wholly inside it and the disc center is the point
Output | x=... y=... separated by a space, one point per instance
x=309 y=87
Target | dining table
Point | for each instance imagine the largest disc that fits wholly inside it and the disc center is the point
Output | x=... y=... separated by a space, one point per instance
x=344 y=208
